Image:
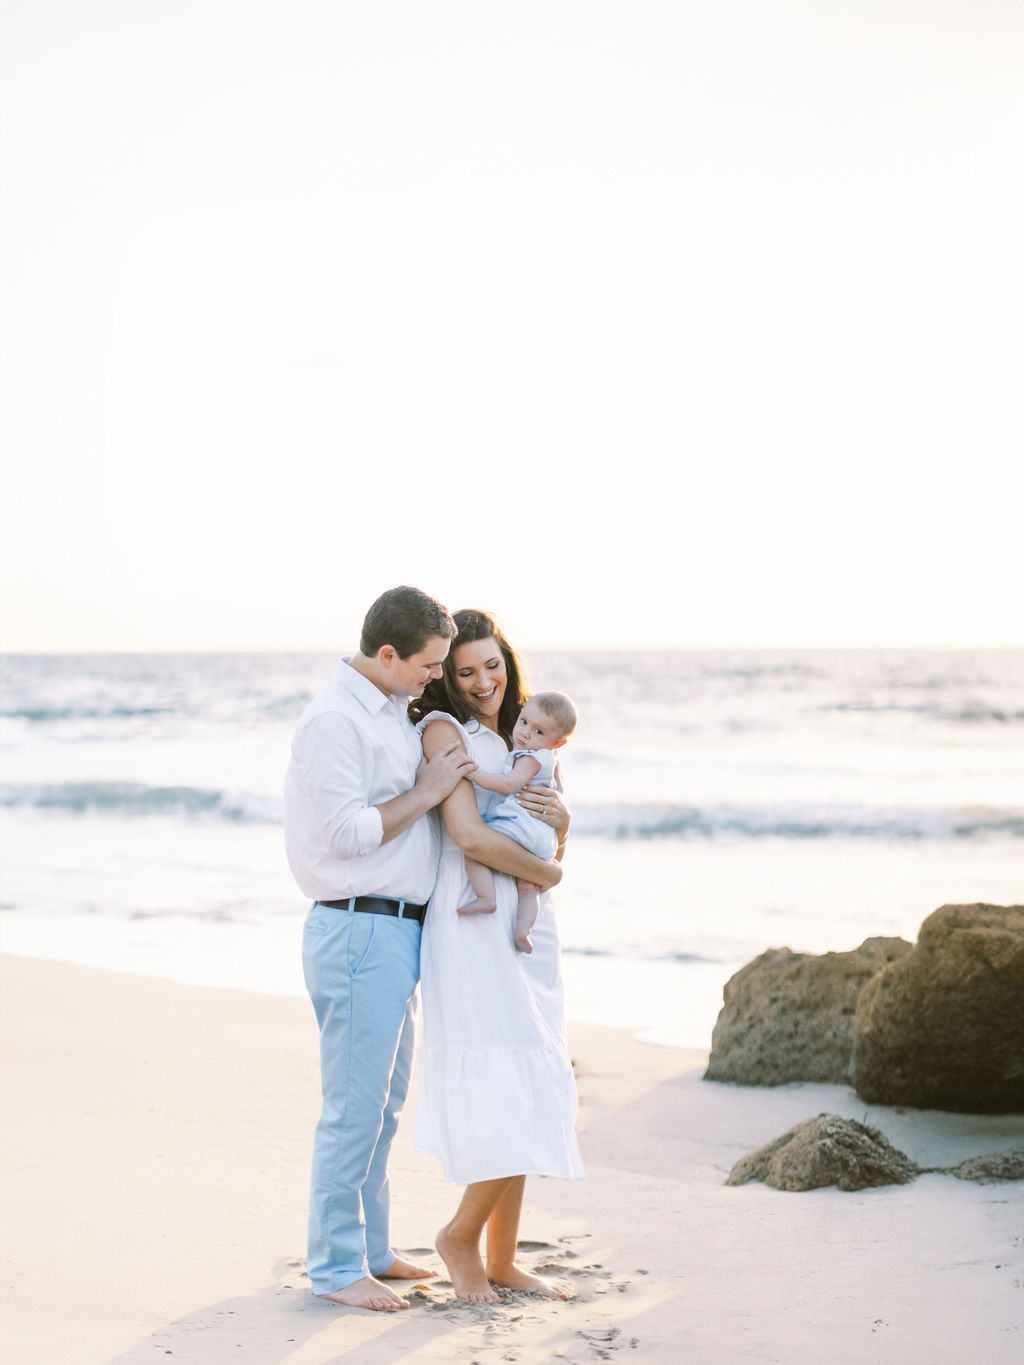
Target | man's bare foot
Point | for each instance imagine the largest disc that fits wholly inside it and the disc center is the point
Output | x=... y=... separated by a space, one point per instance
x=513 y=1277
x=466 y=1269
x=400 y=1269
x=368 y=1293
x=523 y=943
x=481 y=906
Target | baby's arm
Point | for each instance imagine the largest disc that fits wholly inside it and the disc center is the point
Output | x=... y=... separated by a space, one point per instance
x=524 y=768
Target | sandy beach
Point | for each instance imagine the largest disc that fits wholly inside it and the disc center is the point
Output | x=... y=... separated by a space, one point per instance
x=156 y=1149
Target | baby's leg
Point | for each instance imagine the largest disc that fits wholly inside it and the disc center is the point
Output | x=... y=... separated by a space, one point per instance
x=526 y=914
x=481 y=879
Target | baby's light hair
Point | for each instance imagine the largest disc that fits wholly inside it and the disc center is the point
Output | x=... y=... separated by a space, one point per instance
x=560 y=708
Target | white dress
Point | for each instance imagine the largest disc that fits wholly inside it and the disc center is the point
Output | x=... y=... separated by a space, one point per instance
x=497 y=1095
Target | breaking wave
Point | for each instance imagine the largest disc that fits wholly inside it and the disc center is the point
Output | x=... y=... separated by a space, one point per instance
x=44 y=714
x=139 y=799
x=621 y=821
x=795 y=822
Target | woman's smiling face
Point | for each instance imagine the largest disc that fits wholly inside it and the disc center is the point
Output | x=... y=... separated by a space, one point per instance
x=479 y=670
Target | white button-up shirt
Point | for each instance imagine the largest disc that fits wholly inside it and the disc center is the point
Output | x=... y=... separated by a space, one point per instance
x=355 y=749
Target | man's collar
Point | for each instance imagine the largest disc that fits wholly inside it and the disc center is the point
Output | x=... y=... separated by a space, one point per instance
x=371 y=697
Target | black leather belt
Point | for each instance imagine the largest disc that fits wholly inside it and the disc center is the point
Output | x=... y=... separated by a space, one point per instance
x=379 y=905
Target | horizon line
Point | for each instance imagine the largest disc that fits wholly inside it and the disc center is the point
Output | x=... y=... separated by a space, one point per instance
x=641 y=647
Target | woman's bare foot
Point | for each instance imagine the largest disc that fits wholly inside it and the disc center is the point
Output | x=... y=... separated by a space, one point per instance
x=481 y=906
x=466 y=1269
x=400 y=1269
x=368 y=1293
x=513 y=1277
x=523 y=943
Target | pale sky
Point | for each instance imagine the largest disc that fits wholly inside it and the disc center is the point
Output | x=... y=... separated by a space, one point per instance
x=656 y=322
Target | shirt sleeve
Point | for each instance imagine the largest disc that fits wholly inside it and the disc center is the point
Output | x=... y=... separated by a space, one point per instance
x=546 y=776
x=333 y=762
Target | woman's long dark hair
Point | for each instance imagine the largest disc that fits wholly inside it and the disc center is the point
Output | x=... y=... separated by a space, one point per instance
x=443 y=694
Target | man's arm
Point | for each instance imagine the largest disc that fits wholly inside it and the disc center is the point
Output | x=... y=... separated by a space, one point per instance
x=333 y=758
x=473 y=837
x=435 y=780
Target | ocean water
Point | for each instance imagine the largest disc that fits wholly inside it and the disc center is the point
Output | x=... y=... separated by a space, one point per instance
x=724 y=802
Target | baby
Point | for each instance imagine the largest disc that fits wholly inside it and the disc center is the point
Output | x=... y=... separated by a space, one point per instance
x=545 y=723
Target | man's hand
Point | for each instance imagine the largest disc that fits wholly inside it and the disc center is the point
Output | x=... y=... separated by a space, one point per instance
x=439 y=776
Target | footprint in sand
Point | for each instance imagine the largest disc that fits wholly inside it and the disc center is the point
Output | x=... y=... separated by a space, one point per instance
x=557 y=1268
x=600 y=1341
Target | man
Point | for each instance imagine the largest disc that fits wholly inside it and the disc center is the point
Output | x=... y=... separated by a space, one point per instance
x=355 y=795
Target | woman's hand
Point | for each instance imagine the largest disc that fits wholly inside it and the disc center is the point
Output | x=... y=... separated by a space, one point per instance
x=546 y=804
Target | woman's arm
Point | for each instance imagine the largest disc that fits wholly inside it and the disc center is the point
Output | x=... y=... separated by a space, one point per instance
x=473 y=837
x=523 y=769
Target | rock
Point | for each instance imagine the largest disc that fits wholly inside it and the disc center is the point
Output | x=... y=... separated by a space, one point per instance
x=943 y=1027
x=827 y=1150
x=991 y=1167
x=789 y=1016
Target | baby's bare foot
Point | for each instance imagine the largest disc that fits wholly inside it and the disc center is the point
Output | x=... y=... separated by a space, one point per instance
x=400 y=1269
x=466 y=1269
x=368 y=1293
x=514 y=1277
x=523 y=943
x=481 y=906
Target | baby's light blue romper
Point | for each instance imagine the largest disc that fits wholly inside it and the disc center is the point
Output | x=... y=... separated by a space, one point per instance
x=506 y=815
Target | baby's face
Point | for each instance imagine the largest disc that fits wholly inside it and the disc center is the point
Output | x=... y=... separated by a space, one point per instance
x=535 y=729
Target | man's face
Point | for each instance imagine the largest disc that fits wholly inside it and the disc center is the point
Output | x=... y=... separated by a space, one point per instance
x=408 y=677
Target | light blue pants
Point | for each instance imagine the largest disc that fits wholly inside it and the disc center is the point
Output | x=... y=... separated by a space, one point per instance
x=361 y=972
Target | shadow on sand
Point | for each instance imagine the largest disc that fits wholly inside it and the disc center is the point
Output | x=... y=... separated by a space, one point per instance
x=265 y=1328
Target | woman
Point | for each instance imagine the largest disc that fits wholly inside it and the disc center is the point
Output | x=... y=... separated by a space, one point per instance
x=497 y=1094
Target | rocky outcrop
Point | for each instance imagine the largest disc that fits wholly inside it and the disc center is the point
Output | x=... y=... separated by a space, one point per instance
x=827 y=1150
x=991 y=1168
x=943 y=1027
x=789 y=1016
